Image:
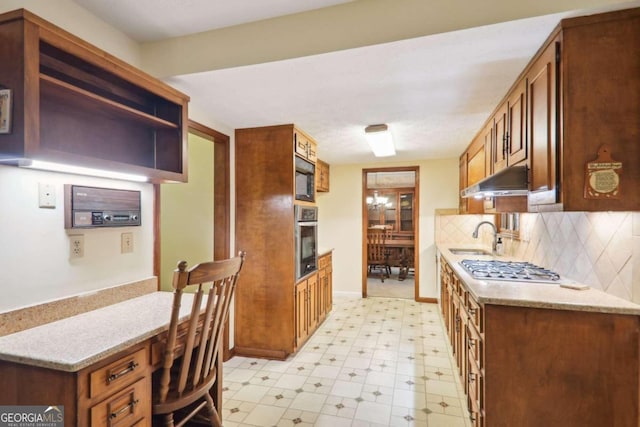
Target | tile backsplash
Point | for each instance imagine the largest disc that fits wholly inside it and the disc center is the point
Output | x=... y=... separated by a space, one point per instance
x=601 y=249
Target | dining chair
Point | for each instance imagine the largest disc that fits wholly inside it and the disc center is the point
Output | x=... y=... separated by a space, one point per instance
x=189 y=364
x=377 y=255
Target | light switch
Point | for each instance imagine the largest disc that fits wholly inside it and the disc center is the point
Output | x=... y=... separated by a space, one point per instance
x=46 y=195
x=126 y=243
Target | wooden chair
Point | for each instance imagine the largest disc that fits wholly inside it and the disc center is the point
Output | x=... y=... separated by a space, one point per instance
x=189 y=368
x=376 y=251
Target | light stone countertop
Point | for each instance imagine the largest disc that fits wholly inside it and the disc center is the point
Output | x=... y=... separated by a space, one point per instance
x=76 y=342
x=531 y=294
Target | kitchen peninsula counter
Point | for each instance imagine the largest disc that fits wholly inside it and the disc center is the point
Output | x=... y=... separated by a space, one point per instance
x=76 y=342
x=533 y=294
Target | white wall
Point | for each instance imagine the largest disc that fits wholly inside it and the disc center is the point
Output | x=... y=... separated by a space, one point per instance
x=78 y=21
x=186 y=214
x=340 y=216
x=34 y=255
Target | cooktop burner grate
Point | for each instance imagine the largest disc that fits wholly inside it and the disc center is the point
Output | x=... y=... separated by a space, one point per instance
x=508 y=270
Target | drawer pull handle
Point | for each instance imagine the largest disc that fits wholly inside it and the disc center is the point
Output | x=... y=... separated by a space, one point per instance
x=471 y=378
x=472 y=343
x=130 y=368
x=131 y=405
x=472 y=311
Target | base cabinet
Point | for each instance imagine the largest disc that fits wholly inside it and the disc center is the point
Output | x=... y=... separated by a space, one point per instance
x=313 y=300
x=112 y=392
x=529 y=366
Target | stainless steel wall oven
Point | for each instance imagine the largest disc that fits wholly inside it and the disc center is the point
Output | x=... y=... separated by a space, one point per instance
x=306 y=240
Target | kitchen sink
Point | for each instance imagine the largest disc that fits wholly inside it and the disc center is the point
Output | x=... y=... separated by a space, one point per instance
x=468 y=251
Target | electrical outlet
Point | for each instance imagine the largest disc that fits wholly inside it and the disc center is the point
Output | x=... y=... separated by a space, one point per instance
x=126 y=243
x=46 y=195
x=76 y=246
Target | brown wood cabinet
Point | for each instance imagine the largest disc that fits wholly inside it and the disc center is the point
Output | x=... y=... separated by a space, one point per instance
x=322 y=176
x=266 y=299
x=542 y=82
x=579 y=92
x=531 y=366
x=508 y=142
x=305 y=146
x=398 y=214
x=475 y=165
x=325 y=285
x=76 y=104
x=307 y=309
x=597 y=81
x=113 y=391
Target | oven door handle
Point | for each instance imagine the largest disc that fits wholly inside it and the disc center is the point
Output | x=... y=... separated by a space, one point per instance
x=307 y=223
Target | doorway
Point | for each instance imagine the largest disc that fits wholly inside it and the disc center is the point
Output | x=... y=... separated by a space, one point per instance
x=390 y=202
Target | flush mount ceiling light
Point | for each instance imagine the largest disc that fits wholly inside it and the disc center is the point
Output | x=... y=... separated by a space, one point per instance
x=380 y=140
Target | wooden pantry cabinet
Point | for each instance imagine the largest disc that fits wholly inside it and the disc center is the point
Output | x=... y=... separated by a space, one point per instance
x=529 y=366
x=274 y=313
x=76 y=104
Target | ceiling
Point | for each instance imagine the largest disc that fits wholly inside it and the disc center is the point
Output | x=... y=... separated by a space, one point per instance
x=434 y=92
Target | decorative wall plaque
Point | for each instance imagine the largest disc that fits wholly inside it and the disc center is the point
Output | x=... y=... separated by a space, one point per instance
x=602 y=176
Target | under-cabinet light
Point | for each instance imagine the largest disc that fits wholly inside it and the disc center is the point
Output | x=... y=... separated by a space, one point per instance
x=80 y=170
x=380 y=140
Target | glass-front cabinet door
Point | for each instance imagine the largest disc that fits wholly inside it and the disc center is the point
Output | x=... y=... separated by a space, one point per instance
x=392 y=208
x=406 y=211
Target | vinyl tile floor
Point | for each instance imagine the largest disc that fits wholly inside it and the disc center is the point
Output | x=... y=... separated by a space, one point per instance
x=373 y=362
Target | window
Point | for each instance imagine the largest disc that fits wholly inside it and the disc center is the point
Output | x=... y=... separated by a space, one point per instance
x=509 y=224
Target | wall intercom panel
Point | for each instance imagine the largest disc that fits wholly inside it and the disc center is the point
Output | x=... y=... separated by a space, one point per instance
x=92 y=207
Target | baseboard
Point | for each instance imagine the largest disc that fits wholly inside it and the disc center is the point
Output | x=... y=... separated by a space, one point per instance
x=260 y=353
x=427 y=300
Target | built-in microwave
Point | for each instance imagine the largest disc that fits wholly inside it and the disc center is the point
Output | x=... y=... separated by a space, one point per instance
x=305 y=180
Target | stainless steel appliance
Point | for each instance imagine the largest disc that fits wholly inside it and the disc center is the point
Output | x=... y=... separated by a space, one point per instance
x=508 y=270
x=305 y=180
x=306 y=239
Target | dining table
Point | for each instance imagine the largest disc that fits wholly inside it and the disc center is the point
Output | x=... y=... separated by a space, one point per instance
x=401 y=252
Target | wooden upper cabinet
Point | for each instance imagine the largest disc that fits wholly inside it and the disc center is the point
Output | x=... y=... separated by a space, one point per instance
x=476 y=164
x=463 y=202
x=600 y=104
x=509 y=145
x=577 y=100
x=305 y=146
x=322 y=176
x=499 y=144
x=541 y=130
x=76 y=104
x=516 y=141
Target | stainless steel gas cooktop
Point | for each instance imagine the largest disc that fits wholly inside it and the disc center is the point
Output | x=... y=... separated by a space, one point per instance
x=508 y=270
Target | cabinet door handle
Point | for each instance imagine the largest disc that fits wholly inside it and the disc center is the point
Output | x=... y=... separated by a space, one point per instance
x=472 y=417
x=130 y=368
x=125 y=408
x=471 y=378
x=472 y=343
x=504 y=145
x=472 y=311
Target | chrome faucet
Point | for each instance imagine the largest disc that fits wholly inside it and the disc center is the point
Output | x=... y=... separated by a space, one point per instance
x=495 y=234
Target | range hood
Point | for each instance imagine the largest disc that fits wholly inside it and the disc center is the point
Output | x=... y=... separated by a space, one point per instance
x=511 y=181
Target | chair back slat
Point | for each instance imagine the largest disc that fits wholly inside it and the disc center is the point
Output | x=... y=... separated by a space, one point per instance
x=204 y=333
x=194 y=318
x=183 y=374
x=376 y=250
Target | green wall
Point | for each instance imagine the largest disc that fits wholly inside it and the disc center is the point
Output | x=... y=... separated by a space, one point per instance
x=186 y=219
